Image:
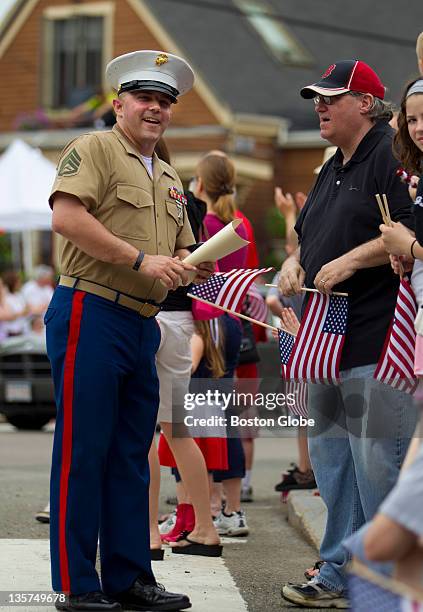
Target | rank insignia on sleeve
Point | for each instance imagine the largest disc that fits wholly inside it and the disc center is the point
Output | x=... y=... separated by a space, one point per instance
x=177 y=195
x=70 y=164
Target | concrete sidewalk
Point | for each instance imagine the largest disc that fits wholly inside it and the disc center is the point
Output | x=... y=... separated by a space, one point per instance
x=25 y=568
x=307 y=513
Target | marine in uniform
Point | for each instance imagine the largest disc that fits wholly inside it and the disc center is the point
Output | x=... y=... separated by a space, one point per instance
x=124 y=229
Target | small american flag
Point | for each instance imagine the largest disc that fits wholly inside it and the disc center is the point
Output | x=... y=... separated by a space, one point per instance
x=396 y=363
x=300 y=393
x=316 y=353
x=255 y=305
x=297 y=389
x=227 y=289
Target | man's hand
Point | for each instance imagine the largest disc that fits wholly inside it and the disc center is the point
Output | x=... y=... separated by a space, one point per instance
x=397 y=239
x=204 y=271
x=292 y=277
x=333 y=273
x=170 y=270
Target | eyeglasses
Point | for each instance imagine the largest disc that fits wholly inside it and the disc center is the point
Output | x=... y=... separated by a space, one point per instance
x=328 y=100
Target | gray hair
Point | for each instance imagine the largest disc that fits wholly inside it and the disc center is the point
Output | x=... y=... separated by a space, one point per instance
x=380 y=109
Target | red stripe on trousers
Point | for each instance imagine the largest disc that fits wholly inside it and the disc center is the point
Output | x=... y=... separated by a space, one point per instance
x=68 y=383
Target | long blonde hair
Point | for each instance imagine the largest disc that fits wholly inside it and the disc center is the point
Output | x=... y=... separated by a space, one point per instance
x=218 y=175
x=213 y=351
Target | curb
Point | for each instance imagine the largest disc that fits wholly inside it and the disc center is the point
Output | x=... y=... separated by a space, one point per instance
x=307 y=513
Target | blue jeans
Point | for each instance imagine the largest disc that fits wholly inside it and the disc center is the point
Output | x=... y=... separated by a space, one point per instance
x=361 y=434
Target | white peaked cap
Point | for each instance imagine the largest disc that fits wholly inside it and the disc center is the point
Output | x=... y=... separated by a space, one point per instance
x=152 y=71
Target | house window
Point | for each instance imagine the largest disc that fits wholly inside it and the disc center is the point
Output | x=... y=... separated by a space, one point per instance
x=77 y=60
x=77 y=47
x=274 y=35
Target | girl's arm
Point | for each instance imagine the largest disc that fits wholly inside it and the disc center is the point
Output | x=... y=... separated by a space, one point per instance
x=387 y=540
x=197 y=351
x=290 y=320
x=398 y=240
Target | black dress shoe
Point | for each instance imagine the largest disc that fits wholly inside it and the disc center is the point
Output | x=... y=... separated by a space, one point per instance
x=89 y=602
x=147 y=594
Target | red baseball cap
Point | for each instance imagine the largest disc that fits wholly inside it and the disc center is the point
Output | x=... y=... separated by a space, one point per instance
x=345 y=76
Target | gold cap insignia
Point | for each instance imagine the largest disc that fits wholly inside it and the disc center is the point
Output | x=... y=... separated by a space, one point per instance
x=162 y=59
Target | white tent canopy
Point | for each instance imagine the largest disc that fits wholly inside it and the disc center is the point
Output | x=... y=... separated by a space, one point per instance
x=26 y=178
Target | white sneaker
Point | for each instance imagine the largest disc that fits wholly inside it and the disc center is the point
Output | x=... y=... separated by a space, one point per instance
x=233 y=525
x=168 y=524
x=44 y=515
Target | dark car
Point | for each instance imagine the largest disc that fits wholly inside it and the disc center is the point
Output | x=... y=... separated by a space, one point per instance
x=26 y=386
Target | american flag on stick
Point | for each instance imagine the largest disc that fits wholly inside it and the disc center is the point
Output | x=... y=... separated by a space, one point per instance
x=227 y=289
x=316 y=352
x=297 y=389
x=396 y=363
x=255 y=305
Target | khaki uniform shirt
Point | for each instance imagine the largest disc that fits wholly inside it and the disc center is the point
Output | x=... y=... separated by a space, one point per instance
x=107 y=174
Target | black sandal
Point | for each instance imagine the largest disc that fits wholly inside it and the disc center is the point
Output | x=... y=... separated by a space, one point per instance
x=157 y=554
x=197 y=548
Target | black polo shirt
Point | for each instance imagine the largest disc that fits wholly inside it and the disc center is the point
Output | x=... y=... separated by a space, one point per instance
x=340 y=214
x=418 y=211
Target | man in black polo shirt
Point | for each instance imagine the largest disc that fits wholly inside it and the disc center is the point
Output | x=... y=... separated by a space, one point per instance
x=362 y=427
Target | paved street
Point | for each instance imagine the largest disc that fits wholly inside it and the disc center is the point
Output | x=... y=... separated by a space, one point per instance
x=248 y=578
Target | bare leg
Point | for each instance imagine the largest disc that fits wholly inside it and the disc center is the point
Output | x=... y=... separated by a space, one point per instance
x=232 y=488
x=304 y=458
x=193 y=470
x=154 y=491
x=248 y=446
x=215 y=496
x=182 y=493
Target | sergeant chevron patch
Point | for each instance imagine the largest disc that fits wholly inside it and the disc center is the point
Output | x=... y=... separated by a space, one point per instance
x=70 y=164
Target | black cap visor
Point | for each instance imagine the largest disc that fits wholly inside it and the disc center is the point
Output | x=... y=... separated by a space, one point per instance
x=163 y=88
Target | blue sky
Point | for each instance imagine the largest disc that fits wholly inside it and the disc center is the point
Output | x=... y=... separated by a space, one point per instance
x=5 y=6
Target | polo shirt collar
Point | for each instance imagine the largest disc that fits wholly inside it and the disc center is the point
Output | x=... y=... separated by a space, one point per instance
x=366 y=145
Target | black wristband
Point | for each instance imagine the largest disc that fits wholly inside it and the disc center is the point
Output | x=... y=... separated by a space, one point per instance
x=412 y=248
x=137 y=264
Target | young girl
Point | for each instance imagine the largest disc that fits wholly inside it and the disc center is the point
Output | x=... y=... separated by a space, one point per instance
x=215 y=185
x=213 y=358
x=173 y=362
x=396 y=532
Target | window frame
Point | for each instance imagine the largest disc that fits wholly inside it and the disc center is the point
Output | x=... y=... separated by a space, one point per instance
x=305 y=59
x=56 y=13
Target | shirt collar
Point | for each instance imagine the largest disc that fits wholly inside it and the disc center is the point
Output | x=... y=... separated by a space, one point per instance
x=159 y=167
x=366 y=145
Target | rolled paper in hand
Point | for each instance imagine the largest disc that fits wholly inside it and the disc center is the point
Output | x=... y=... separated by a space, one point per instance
x=225 y=242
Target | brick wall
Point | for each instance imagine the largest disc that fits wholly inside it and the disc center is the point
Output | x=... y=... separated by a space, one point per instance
x=20 y=66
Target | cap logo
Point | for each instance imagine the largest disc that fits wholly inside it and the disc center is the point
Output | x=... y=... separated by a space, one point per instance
x=162 y=59
x=329 y=71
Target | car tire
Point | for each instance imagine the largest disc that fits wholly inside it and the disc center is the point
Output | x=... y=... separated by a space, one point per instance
x=28 y=421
